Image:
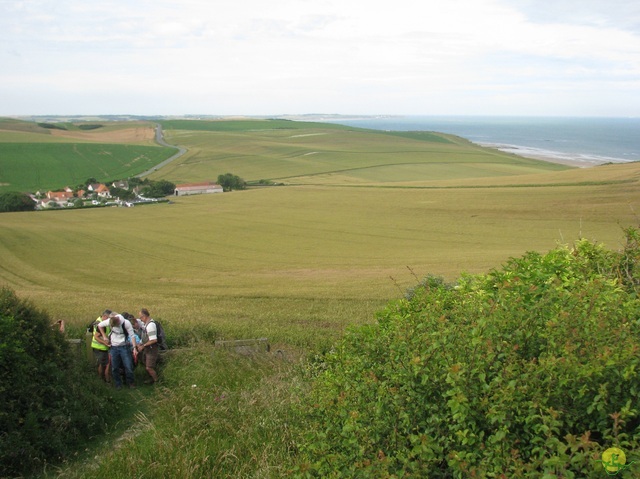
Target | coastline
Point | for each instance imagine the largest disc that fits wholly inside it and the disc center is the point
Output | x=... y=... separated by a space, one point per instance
x=578 y=160
x=581 y=142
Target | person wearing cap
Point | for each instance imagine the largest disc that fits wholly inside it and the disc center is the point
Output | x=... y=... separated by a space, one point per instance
x=121 y=350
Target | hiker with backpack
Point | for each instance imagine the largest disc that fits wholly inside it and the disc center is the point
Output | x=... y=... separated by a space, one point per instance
x=151 y=344
x=137 y=326
x=121 y=350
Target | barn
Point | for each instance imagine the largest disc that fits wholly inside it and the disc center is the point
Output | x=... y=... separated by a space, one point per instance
x=201 y=188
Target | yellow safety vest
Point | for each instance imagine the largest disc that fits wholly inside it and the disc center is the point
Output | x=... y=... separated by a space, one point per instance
x=94 y=343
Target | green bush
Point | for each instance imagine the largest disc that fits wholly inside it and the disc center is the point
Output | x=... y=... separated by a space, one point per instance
x=51 y=402
x=158 y=189
x=16 y=201
x=230 y=182
x=528 y=371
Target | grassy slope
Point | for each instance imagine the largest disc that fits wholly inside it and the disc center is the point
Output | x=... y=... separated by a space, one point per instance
x=34 y=158
x=295 y=264
x=273 y=261
x=315 y=153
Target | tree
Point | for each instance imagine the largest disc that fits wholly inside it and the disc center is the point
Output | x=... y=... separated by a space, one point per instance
x=135 y=181
x=231 y=182
x=159 y=189
x=16 y=201
x=166 y=187
x=121 y=193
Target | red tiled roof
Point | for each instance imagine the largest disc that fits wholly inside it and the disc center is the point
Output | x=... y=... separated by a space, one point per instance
x=202 y=184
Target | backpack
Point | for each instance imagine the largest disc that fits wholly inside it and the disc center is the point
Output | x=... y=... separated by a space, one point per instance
x=160 y=335
x=127 y=339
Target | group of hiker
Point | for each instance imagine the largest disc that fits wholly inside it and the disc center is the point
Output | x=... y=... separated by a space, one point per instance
x=120 y=342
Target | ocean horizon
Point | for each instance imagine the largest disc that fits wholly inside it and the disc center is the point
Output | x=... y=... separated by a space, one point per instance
x=581 y=141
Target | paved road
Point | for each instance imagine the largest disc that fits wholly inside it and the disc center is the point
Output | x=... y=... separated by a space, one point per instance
x=160 y=141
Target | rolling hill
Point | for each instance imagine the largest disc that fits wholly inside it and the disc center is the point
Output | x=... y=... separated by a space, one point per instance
x=358 y=222
x=50 y=156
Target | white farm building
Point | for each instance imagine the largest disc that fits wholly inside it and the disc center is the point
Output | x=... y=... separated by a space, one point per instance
x=201 y=188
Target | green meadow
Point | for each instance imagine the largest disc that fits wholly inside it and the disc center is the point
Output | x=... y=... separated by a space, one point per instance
x=323 y=154
x=360 y=217
x=32 y=158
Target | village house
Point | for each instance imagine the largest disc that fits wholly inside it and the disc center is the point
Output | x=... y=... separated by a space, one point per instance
x=201 y=188
x=100 y=189
x=121 y=184
x=59 y=196
x=55 y=199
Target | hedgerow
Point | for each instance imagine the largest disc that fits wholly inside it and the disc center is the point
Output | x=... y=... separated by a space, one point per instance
x=50 y=403
x=531 y=370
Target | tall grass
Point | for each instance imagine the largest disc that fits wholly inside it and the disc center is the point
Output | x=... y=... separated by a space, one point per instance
x=215 y=414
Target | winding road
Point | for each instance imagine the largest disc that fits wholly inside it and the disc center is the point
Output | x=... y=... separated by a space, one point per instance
x=160 y=141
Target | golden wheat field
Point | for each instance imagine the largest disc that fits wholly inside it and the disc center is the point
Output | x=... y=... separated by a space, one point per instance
x=301 y=262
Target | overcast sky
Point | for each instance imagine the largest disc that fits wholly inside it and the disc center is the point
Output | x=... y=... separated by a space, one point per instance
x=271 y=57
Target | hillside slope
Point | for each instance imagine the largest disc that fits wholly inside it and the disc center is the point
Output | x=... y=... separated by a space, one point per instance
x=305 y=153
x=41 y=156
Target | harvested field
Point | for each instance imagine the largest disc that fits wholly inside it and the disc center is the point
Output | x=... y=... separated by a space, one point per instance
x=140 y=135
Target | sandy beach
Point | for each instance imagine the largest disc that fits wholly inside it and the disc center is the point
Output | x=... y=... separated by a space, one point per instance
x=579 y=161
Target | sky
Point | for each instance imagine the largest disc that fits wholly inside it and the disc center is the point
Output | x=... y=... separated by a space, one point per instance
x=350 y=57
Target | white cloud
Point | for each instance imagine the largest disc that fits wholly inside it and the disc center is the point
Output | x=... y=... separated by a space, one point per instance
x=348 y=56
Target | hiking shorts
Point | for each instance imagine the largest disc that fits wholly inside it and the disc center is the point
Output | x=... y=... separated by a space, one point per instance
x=150 y=356
x=101 y=356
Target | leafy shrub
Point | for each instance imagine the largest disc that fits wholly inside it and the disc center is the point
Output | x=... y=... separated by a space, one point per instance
x=531 y=370
x=16 y=201
x=51 y=403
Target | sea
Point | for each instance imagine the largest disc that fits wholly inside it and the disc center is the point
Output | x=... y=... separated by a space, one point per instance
x=580 y=141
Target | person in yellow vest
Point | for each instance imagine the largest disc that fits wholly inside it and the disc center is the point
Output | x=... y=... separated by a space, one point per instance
x=101 y=348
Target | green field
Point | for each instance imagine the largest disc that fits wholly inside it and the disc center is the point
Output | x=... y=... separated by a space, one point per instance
x=316 y=153
x=41 y=166
x=32 y=158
